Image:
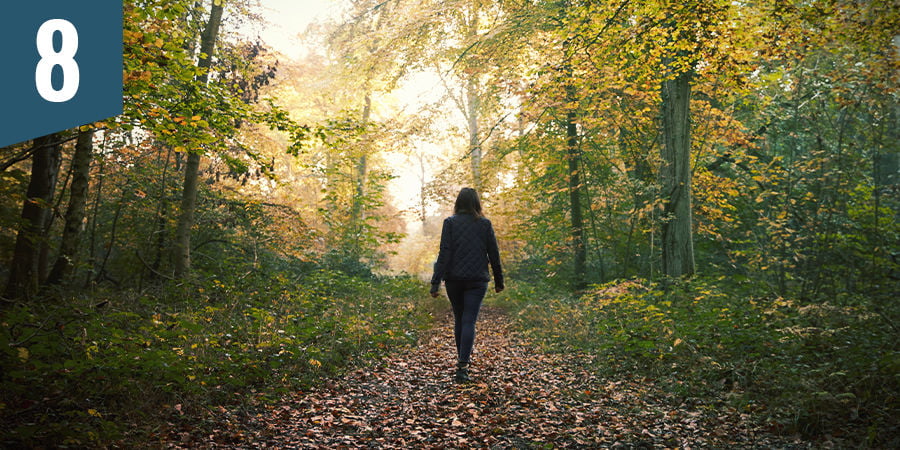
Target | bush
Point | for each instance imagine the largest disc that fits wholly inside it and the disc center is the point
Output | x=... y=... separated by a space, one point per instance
x=814 y=368
x=111 y=365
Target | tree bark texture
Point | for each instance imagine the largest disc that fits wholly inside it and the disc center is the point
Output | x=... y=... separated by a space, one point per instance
x=23 y=277
x=182 y=245
x=71 y=238
x=473 y=105
x=677 y=234
x=573 y=155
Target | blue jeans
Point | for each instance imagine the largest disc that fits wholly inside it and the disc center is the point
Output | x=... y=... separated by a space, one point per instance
x=466 y=298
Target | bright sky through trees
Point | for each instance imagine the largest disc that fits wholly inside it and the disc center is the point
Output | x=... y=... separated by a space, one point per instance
x=288 y=18
x=286 y=23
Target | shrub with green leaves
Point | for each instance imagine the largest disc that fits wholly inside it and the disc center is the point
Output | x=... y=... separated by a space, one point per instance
x=85 y=370
x=801 y=367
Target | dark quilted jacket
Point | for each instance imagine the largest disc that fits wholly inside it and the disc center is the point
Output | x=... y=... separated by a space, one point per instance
x=468 y=244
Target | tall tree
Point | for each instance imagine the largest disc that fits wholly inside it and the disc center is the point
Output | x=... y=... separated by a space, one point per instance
x=573 y=156
x=688 y=30
x=472 y=110
x=359 y=46
x=473 y=101
x=677 y=235
x=24 y=270
x=358 y=213
x=573 y=174
x=182 y=245
x=71 y=238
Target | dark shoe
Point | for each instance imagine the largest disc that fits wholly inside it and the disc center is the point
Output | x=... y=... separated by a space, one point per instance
x=462 y=375
x=462 y=372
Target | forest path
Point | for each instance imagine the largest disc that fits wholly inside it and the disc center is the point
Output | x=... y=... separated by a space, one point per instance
x=519 y=398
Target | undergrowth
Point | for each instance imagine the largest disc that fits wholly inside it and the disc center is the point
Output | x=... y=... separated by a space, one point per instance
x=828 y=369
x=113 y=366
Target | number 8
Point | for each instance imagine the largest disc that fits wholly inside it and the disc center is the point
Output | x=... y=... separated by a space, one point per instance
x=51 y=58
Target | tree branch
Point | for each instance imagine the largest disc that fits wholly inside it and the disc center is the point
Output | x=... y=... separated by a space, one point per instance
x=30 y=151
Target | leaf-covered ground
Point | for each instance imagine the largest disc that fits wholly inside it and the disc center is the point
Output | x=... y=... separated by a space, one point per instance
x=519 y=398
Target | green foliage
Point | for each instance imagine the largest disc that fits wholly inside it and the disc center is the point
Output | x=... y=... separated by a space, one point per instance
x=85 y=370
x=808 y=368
x=353 y=193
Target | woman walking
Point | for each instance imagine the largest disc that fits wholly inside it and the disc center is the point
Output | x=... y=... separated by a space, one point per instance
x=468 y=244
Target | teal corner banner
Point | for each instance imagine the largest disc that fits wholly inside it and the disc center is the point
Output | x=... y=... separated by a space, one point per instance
x=61 y=66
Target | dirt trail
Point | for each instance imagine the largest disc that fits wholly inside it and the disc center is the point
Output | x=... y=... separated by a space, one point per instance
x=519 y=398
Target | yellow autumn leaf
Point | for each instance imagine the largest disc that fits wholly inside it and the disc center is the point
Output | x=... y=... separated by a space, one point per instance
x=677 y=342
x=93 y=412
x=23 y=354
x=314 y=362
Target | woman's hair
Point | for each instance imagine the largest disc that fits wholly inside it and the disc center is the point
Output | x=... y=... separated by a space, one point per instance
x=467 y=202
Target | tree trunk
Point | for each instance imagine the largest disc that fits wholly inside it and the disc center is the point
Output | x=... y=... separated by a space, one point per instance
x=677 y=236
x=162 y=213
x=357 y=207
x=573 y=155
x=182 y=246
x=362 y=167
x=357 y=213
x=71 y=238
x=423 y=197
x=95 y=213
x=23 y=277
x=473 y=105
